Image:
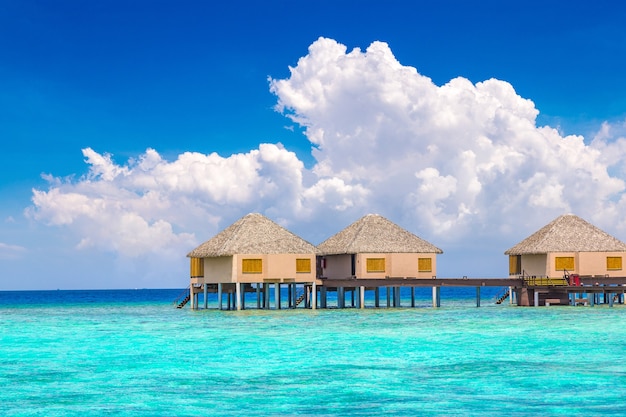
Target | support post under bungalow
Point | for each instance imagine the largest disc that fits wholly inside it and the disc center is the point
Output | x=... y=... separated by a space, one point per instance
x=413 y=297
x=323 y=297
x=266 y=296
x=436 y=297
x=477 y=296
x=191 y=296
x=238 y=295
x=377 y=297
x=536 y=298
x=277 y=295
x=219 y=295
x=258 y=296
x=388 y=297
x=362 y=297
x=611 y=296
x=314 y=296
x=206 y=293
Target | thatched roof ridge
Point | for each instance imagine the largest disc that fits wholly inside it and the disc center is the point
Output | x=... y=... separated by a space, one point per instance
x=252 y=234
x=567 y=233
x=375 y=234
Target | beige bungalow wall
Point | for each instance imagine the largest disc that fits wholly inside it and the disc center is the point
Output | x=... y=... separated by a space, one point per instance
x=396 y=265
x=585 y=263
x=282 y=267
x=535 y=265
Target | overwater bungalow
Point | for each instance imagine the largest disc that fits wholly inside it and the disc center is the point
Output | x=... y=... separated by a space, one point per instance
x=373 y=247
x=253 y=254
x=566 y=252
x=565 y=246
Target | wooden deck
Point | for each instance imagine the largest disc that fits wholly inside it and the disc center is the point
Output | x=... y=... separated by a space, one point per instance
x=421 y=282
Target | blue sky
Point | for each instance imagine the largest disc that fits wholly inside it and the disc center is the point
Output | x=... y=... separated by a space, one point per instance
x=119 y=78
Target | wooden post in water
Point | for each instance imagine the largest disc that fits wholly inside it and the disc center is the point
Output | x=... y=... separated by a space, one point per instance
x=362 y=297
x=219 y=296
x=377 y=297
x=314 y=296
x=206 y=293
x=478 y=296
x=436 y=297
x=238 y=295
x=592 y=298
x=258 y=296
x=266 y=296
x=323 y=297
x=277 y=295
x=536 y=297
x=388 y=297
x=413 y=297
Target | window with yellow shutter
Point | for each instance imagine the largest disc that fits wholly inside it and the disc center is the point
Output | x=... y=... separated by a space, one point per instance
x=197 y=267
x=424 y=265
x=564 y=262
x=375 y=265
x=515 y=264
x=252 y=266
x=303 y=265
x=613 y=263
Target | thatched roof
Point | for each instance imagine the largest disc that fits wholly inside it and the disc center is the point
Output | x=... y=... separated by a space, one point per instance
x=375 y=234
x=252 y=234
x=567 y=233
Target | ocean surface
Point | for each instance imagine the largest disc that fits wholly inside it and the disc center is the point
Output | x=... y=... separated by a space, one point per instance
x=132 y=353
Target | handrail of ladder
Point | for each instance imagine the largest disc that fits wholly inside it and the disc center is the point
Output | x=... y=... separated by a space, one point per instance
x=182 y=295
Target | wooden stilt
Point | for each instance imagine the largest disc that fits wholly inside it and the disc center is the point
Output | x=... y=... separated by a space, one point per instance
x=592 y=299
x=413 y=297
x=377 y=297
x=206 y=295
x=277 y=295
x=219 y=296
x=266 y=296
x=238 y=295
x=436 y=297
x=341 y=298
x=477 y=296
x=388 y=297
x=314 y=296
x=258 y=296
x=361 y=297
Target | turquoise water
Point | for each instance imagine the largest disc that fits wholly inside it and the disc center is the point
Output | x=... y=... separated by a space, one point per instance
x=133 y=354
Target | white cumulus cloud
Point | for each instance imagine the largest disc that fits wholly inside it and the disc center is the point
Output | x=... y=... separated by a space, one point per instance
x=450 y=157
x=454 y=163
